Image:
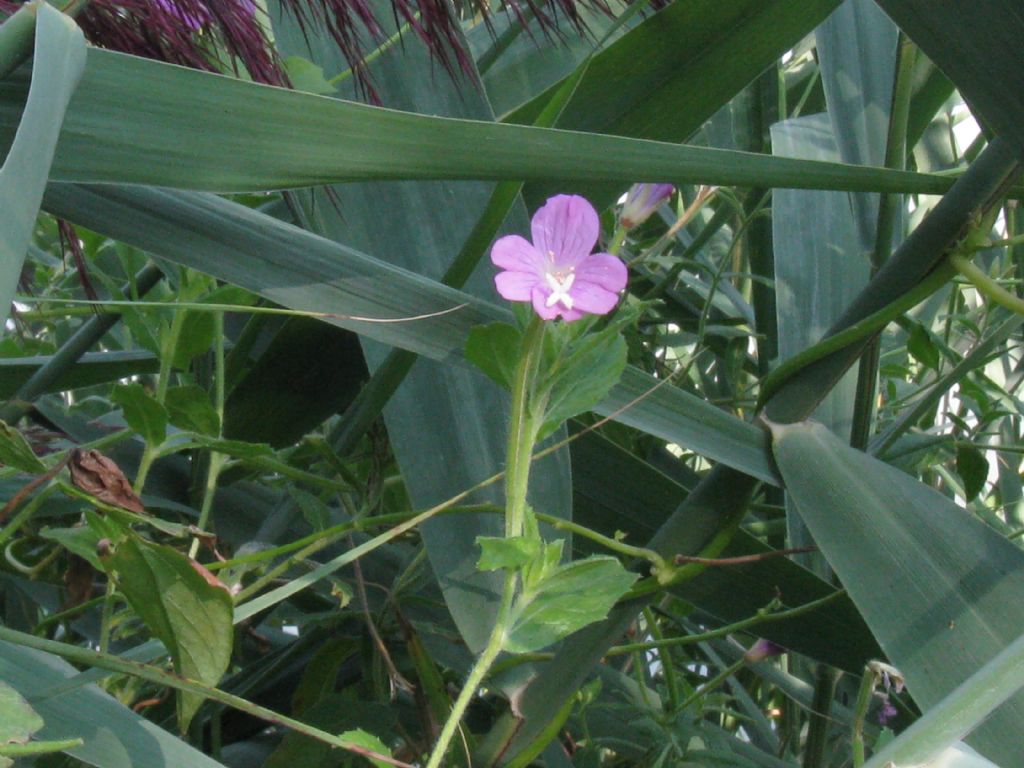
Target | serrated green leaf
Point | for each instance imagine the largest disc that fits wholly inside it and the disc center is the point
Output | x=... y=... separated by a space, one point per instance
x=182 y=604
x=141 y=412
x=16 y=452
x=368 y=740
x=507 y=554
x=495 y=349
x=593 y=366
x=314 y=511
x=568 y=598
x=189 y=408
x=18 y=721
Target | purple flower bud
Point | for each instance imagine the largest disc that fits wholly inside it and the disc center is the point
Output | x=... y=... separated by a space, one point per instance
x=641 y=201
x=887 y=711
x=761 y=650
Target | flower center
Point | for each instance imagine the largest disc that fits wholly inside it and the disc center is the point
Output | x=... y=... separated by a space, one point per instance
x=560 y=282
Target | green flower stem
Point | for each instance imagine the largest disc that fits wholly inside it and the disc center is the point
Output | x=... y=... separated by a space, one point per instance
x=524 y=424
x=668 y=667
x=618 y=238
x=713 y=683
x=476 y=676
x=860 y=711
x=986 y=286
x=523 y=427
x=217 y=460
x=167 y=348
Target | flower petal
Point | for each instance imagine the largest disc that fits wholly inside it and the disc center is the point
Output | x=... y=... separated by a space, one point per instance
x=539 y=297
x=516 y=254
x=567 y=228
x=515 y=286
x=604 y=270
x=592 y=298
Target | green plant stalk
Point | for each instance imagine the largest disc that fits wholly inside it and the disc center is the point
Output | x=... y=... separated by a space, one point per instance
x=35 y=748
x=986 y=286
x=152 y=674
x=667 y=665
x=860 y=712
x=713 y=683
x=167 y=348
x=821 y=708
x=24 y=515
x=217 y=459
x=525 y=422
x=763 y=616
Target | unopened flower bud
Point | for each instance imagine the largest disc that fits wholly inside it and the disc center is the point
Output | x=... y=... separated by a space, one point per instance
x=641 y=201
x=761 y=650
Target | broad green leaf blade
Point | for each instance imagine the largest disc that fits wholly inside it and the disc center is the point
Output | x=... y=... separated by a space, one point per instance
x=672 y=72
x=59 y=60
x=183 y=605
x=18 y=721
x=857 y=56
x=820 y=263
x=91 y=368
x=302 y=271
x=937 y=587
x=115 y=737
x=447 y=424
x=128 y=112
x=534 y=61
x=969 y=45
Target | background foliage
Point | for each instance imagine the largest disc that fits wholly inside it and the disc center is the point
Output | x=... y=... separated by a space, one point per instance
x=212 y=281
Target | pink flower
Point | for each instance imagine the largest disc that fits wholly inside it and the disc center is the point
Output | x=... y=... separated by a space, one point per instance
x=557 y=272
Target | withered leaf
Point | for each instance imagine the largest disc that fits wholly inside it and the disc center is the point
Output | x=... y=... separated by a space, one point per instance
x=99 y=476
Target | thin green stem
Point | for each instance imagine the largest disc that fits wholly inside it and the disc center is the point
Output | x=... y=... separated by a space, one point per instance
x=106 y=616
x=524 y=424
x=476 y=676
x=986 y=286
x=217 y=460
x=668 y=667
x=713 y=683
x=763 y=616
x=523 y=427
x=628 y=550
x=860 y=711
